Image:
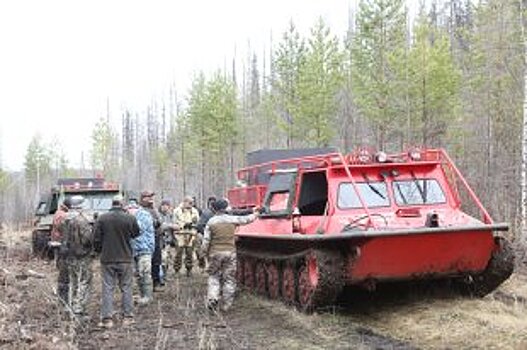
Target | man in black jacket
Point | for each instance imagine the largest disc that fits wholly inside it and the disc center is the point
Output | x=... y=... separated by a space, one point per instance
x=113 y=232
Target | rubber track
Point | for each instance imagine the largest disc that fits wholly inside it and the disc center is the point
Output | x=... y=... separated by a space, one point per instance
x=499 y=269
x=330 y=265
x=330 y=284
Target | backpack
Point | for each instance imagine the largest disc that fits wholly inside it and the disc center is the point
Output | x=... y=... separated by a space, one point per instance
x=79 y=235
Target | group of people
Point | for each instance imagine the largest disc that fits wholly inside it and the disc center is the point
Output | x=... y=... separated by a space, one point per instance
x=134 y=238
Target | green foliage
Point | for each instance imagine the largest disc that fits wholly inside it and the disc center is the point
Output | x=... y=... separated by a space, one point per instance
x=496 y=65
x=378 y=62
x=289 y=60
x=4 y=180
x=38 y=159
x=320 y=79
x=103 y=152
x=213 y=114
x=433 y=84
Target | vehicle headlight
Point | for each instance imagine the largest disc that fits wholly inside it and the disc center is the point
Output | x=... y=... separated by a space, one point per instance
x=381 y=157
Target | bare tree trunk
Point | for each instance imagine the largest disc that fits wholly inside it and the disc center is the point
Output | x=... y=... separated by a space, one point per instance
x=523 y=239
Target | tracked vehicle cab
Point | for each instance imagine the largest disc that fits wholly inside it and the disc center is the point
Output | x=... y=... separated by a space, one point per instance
x=97 y=193
x=374 y=217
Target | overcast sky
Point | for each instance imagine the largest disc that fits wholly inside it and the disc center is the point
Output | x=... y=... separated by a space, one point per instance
x=59 y=60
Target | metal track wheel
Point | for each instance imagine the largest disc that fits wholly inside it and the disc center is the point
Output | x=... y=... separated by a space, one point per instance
x=273 y=280
x=260 y=275
x=289 y=284
x=320 y=279
x=239 y=270
x=248 y=273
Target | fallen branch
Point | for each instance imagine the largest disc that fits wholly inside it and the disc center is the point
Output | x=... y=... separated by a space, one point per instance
x=30 y=273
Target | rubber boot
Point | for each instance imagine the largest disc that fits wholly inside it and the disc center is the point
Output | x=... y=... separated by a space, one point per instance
x=146 y=294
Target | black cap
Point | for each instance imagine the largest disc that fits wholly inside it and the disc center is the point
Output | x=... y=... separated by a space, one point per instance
x=67 y=202
x=220 y=205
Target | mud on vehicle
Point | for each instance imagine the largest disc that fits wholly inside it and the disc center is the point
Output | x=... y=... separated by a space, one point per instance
x=332 y=220
x=97 y=193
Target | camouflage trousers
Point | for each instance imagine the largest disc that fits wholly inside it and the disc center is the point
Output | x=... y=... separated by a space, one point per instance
x=185 y=252
x=63 y=280
x=144 y=276
x=80 y=278
x=222 y=280
x=184 y=248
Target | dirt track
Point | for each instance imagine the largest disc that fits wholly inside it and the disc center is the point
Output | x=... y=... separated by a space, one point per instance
x=400 y=317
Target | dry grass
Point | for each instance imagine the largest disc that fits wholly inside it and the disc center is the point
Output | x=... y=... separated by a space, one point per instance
x=31 y=318
x=453 y=321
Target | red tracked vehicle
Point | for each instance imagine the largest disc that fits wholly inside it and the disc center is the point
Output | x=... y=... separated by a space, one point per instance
x=332 y=220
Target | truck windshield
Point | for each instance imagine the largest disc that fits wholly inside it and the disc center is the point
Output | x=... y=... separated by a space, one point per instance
x=375 y=194
x=418 y=192
x=99 y=202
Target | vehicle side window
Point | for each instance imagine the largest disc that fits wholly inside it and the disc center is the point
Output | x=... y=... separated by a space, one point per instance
x=54 y=205
x=374 y=194
x=42 y=209
x=418 y=192
x=278 y=201
x=280 y=194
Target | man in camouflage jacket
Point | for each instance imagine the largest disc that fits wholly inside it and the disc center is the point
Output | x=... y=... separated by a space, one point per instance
x=185 y=218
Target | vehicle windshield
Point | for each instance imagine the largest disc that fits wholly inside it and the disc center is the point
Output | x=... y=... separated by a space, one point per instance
x=98 y=201
x=374 y=194
x=418 y=192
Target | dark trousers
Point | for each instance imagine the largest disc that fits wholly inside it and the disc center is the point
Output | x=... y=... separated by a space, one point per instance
x=157 y=260
x=122 y=275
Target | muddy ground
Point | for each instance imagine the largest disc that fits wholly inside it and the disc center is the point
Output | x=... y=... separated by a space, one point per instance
x=407 y=316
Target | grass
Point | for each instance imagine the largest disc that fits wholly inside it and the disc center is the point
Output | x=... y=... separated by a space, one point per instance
x=31 y=318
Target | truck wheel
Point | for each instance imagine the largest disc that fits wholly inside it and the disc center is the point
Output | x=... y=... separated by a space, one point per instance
x=499 y=269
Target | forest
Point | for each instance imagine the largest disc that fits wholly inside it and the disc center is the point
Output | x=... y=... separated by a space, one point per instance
x=451 y=75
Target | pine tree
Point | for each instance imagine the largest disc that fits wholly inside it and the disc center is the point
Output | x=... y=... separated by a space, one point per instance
x=494 y=97
x=104 y=144
x=288 y=61
x=378 y=65
x=320 y=79
x=38 y=163
x=433 y=84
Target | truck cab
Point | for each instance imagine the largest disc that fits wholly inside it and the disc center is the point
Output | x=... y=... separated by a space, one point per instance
x=97 y=194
